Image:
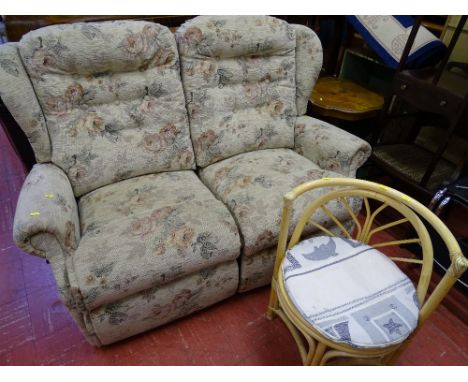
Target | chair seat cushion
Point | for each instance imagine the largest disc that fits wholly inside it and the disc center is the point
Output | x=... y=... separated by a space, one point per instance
x=350 y=292
x=147 y=231
x=253 y=184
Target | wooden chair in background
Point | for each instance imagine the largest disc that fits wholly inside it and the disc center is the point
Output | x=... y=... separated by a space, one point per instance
x=436 y=96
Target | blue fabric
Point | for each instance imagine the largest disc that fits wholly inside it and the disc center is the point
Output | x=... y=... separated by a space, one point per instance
x=427 y=55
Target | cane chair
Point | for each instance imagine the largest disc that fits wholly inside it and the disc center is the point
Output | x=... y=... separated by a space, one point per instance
x=319 y=345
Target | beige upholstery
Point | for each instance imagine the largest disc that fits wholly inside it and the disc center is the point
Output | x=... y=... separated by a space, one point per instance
x=118 y=123
x=130 y=254
x=239 y=78
x=252 y=185
x=18 y=95
x=147 y=231
x=106 y=91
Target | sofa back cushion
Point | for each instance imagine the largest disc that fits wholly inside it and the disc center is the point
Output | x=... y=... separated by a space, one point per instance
x=238 y=74
x=18 y=96
x=112 y=99
x=309 y=59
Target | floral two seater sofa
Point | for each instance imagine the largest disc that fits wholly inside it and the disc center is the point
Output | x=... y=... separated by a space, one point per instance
x=162 y=160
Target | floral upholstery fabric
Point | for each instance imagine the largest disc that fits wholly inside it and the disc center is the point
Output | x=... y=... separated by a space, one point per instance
x=239 y=78
x=112 y=97
x=147 y=241
x=60 y=262
x=147 y=231
x=309 y=58
x=329 y=146
x=46 y=204
x=46 y=224
x=253 y=184
x=18 y=95
x=159 y=305
x=350 y=292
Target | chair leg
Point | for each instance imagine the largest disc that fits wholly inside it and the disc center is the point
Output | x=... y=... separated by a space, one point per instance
x=273 y=303
x=318 y=355
x=392 y=358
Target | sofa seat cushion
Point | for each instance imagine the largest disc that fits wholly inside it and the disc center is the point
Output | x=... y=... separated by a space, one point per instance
x=147 y=231
x=350 y=292
x=253 y=184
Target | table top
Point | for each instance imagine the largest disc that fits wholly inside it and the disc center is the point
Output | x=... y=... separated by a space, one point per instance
x=343 y=99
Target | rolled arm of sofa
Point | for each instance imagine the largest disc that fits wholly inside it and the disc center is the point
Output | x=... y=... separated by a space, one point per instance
x=329 y=146
x=46 y=205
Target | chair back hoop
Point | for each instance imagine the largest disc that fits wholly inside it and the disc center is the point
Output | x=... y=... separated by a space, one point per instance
x=411 y=210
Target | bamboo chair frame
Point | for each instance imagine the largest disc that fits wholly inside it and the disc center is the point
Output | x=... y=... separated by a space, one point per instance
x=314 y=348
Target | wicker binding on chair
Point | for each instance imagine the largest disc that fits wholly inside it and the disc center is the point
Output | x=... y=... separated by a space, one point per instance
x=314 y=347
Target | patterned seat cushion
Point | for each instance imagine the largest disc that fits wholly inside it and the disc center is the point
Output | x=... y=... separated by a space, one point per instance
x=350 y=292
x=253 y=184
x=147 y=231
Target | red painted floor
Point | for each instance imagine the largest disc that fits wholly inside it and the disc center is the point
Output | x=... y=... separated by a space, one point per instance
x=35 y=328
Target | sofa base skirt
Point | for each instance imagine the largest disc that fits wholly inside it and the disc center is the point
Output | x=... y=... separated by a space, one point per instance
x=157 y=306
x=256 y=270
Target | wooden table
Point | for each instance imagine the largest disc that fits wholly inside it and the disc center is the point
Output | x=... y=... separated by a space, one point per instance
x=345 y=100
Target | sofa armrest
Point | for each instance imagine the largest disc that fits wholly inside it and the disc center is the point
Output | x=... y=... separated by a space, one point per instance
x=46 y=205
x=329 y=146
